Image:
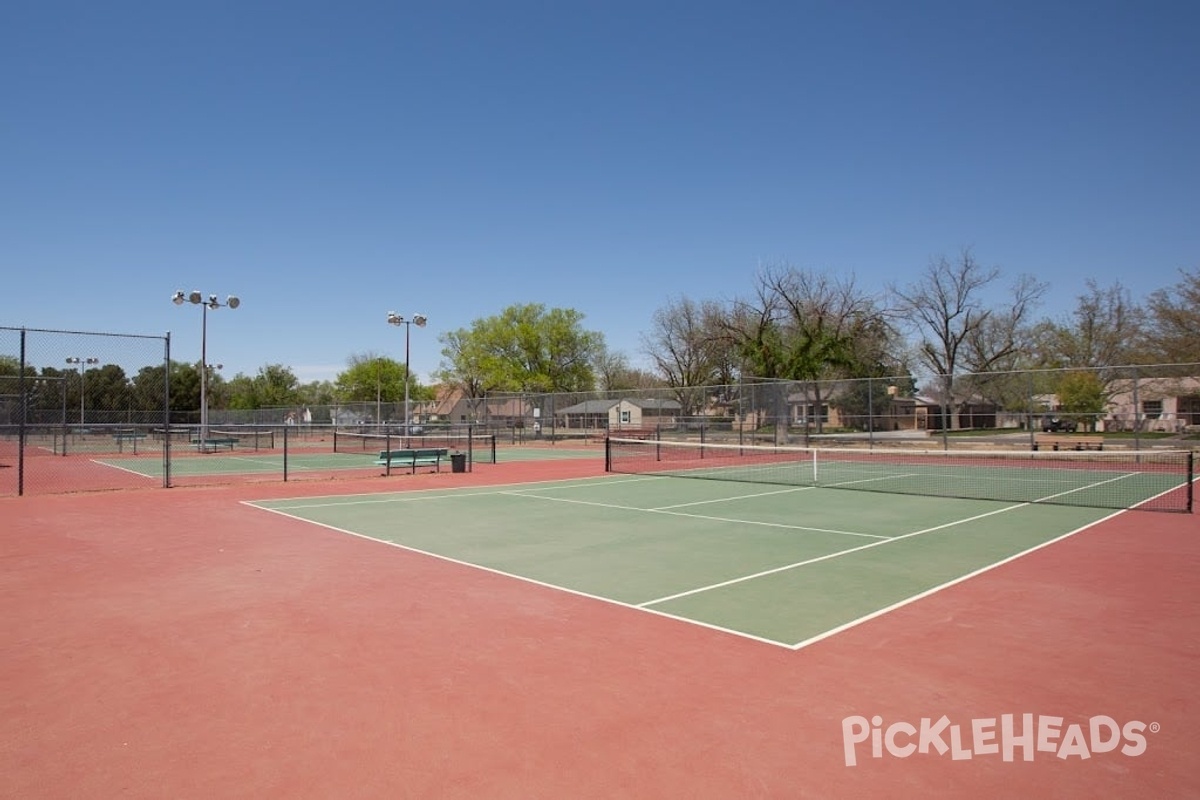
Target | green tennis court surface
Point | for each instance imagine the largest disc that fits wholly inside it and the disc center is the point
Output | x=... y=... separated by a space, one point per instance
x=786 y=565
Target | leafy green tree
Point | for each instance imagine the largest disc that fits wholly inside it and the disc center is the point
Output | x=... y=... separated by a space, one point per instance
x=108 y=397
x=243 y=392
x=185 y=392
x=1082 y=394
x=147 y=390
x=465 y=367
x=318 y=393
x=805 y=325
x=10 y=365
x=372 y=378
x=808 y=326
x=45 y=395
x=278 y=386
x=524 y=348
x=275 y=386
x=218 y=391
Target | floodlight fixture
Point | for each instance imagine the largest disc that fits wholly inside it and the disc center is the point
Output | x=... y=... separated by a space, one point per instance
x=196 y=298
x=83 y=364
x=420 y=320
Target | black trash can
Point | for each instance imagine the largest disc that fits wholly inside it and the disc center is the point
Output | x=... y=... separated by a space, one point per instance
x=458 y=462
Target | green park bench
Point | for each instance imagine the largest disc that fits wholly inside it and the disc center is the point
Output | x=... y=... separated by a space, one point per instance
x=413 y=458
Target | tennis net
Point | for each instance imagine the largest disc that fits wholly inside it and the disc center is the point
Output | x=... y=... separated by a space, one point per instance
x=1160 y=480
x=480 y=448
x=245 y=438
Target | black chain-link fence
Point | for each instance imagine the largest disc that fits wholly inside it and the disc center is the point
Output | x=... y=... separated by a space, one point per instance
x=68 y=395
x=1141 y=403
x=83 y=411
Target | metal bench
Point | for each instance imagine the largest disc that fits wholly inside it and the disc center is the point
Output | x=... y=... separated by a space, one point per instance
x=413 y=458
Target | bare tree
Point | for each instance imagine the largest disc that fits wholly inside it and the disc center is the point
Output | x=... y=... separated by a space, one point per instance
x=614 y=373
x=1175 y=321
x=685 y=347
x=1104 y=330
x=956 y=328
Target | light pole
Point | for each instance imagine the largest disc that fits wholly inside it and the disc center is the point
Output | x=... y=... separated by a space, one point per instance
x=395 y=319
x=195 y=298
x=83 y=364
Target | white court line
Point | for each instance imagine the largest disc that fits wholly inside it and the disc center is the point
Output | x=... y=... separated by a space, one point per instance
x=525 y=579
x=734 y=520
x=952 y=582
x=442 y=494
x=901 y=476
x=111 y=465
x=572 y=483
x=789 y=490
x=860 y=548
x=828 y=556
x=1120 y=477
x=274 y=464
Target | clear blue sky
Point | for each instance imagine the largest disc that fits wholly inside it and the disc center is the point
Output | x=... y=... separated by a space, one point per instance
x=330 y=162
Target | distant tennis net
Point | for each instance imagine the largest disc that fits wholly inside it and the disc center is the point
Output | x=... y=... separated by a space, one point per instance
x=479 y=447
x=1152 y=480
x=251 y=438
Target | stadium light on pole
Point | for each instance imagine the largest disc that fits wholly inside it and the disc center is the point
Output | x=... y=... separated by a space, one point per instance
x=195 y=298
x=419 y=320
x=83 y=363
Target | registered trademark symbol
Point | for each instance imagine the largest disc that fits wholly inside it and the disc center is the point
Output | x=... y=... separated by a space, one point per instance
x=1155 y=727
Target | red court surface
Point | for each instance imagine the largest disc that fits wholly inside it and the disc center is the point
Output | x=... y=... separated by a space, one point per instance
x=177 y=643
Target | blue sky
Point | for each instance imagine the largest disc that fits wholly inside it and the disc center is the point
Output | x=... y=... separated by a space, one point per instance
x=331 y=162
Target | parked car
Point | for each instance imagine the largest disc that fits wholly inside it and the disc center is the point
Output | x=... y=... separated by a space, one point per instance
x=1055 y=424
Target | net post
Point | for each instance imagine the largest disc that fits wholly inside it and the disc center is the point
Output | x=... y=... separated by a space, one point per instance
x=387 y=448
x=607 y=454
x=1191 y=478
